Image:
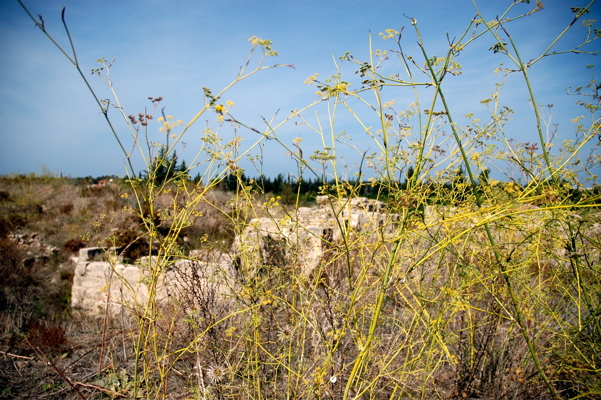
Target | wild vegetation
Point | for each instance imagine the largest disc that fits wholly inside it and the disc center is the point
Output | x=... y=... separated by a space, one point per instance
x=468 y=287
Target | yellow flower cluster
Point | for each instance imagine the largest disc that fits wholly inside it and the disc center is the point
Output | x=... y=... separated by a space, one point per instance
x=168 y=124
x=255 y=41
x=273 y=202
x=330 y=91
x=389 y=34
x=310 y=80
x=475 y=156
x=220 y=109
x=265 y=44
x=512 y=187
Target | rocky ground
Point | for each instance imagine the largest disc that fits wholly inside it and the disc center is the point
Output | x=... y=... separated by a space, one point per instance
x=46 y=352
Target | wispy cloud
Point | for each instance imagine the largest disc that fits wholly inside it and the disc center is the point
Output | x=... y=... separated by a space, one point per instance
x=174 y=49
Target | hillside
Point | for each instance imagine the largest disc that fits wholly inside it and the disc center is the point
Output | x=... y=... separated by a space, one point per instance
x=294 y=289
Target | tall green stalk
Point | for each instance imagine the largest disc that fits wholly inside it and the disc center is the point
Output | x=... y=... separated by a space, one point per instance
x=499 y=260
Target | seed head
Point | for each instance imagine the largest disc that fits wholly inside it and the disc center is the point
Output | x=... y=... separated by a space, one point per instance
x=216 y=373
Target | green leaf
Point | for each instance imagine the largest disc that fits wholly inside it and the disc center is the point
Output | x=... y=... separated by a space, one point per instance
x=579 y=11
x=499 y=48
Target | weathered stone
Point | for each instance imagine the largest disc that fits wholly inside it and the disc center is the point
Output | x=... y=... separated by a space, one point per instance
x=301 y=240
x=102 y=285
x=307 y=233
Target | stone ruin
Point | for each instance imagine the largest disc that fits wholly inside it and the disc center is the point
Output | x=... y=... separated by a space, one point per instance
x=303 y=238
x=305 y=235
x=103 y=283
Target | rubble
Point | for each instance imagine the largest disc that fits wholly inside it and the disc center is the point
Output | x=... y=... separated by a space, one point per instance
x=302 y=238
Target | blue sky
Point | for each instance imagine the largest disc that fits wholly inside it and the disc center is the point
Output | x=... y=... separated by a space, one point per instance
x=175 y=48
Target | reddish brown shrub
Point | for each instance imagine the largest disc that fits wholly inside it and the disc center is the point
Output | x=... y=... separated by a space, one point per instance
x=73 y=245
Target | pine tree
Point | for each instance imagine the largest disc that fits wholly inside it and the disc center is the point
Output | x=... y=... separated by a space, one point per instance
x=162 y=167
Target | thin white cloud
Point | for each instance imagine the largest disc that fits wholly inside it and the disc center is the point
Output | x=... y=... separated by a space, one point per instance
x=174 y=49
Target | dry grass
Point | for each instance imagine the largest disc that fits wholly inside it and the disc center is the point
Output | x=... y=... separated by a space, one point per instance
x=466 y=287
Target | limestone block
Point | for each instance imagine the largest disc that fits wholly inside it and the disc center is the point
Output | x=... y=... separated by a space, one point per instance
x=125 y=287
x=89 y=253
x=89 y=291
x=301 y=238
